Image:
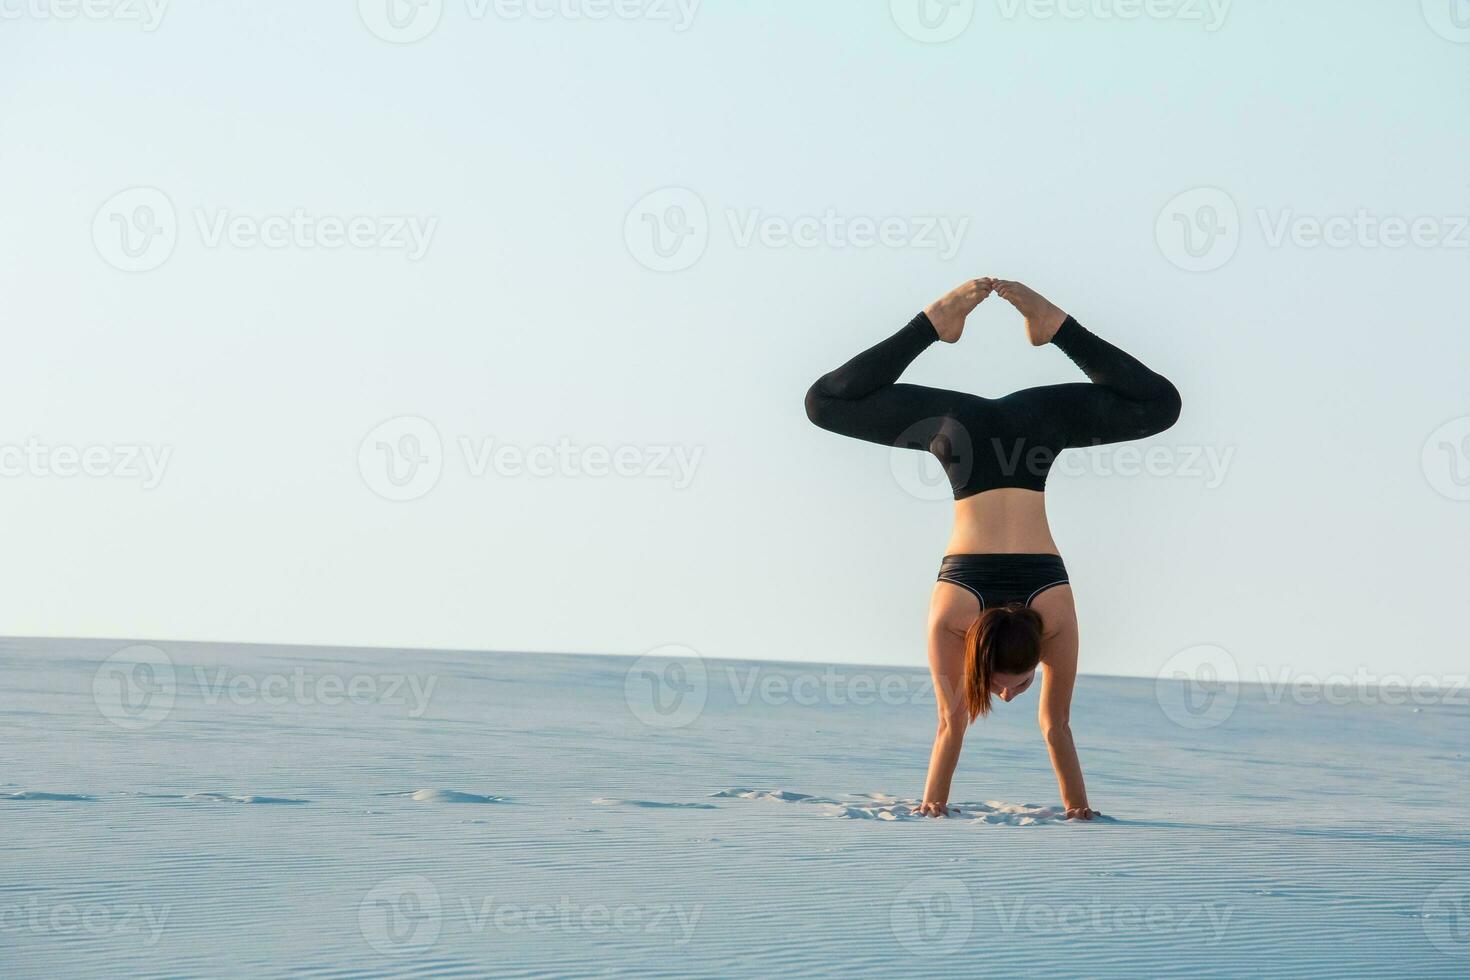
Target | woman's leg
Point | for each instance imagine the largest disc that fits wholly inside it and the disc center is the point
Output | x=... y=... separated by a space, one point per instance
x=1126 y=399
x=1115 y=369
x=861 y=399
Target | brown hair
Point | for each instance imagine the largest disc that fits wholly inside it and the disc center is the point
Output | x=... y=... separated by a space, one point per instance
x=1004 y=640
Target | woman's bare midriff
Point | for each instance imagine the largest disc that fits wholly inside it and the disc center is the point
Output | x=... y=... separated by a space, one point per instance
x=1004 y=521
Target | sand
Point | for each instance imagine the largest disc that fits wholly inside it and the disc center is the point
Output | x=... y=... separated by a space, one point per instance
x=267 y=811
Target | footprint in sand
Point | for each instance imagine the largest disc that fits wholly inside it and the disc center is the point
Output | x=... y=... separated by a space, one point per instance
x=31 y=796
x=654 y=804
x=882 y=806
x=446 y=796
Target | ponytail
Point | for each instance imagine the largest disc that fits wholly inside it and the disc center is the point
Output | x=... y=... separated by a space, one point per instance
x=1004 y=639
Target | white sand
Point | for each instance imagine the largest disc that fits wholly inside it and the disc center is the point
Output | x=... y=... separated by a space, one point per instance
x=470 y=815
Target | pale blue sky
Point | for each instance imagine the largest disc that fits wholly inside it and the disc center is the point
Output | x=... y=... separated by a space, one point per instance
x=1319 y=372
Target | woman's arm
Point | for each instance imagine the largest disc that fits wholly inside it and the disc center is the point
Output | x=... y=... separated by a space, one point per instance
x=947 y=623
x=949 y=739
x=1059 y=675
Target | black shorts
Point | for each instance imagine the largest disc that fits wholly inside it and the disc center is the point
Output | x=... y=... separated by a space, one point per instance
x=997 y=580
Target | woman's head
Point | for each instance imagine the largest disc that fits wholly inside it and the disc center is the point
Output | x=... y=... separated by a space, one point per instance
x=1002 y=649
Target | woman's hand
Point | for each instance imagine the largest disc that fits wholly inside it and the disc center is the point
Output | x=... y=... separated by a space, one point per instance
x=928 y=809
x=1081 y=813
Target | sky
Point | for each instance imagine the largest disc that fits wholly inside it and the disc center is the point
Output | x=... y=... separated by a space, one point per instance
x=486 y=324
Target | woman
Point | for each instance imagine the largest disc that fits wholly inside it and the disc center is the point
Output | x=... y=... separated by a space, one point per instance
x=1002 y=605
